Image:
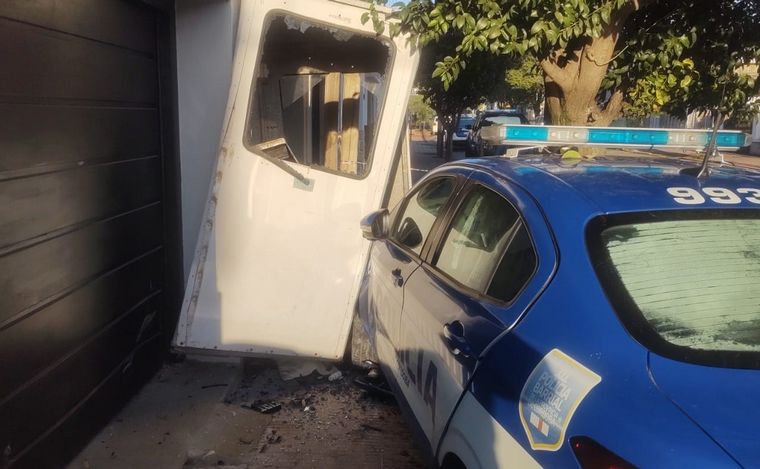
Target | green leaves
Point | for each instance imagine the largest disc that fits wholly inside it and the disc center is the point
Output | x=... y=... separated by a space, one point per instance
x=663 y=85
x=448 y=70
x=459 y=22
x=506 y=27
x=670 y=55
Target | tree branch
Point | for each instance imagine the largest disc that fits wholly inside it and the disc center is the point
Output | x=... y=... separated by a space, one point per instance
x=558 y=75
x=612 y=109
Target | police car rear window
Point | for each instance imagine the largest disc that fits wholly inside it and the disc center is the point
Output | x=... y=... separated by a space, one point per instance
x=694 y=283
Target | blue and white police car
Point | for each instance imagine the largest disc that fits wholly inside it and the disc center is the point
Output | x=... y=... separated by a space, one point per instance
x=574 y=312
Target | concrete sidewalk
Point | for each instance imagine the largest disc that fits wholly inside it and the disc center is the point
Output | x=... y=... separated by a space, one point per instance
x=424 y=158
x=190 y=416
x=743 y=161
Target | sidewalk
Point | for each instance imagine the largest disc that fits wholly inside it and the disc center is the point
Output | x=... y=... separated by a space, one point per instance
x=743 y=161
x=191 y=416
x=424 y=158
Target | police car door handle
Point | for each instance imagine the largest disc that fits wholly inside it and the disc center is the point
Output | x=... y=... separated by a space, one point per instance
x=397 y=277
x=453 y=335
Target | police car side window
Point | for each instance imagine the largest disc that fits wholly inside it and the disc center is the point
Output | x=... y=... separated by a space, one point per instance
x=418 y=215
x=516 y=267
x=487 y=247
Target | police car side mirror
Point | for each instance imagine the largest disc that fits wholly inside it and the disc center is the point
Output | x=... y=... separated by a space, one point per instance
x=375 y=225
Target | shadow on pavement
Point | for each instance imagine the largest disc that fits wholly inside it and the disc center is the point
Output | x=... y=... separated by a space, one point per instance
x=424 y=158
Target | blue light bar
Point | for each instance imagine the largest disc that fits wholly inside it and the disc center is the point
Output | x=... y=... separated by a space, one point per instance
x=557 y=135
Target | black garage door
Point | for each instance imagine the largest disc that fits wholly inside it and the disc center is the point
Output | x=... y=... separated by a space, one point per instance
x=87 y=226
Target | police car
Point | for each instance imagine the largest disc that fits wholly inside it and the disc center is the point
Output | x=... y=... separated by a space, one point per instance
x=556 y=311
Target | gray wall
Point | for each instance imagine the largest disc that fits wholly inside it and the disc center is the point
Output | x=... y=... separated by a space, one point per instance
x=205 y=43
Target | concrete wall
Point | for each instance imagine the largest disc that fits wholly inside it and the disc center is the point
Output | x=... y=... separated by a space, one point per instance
x=755 y=148
x=205 y=40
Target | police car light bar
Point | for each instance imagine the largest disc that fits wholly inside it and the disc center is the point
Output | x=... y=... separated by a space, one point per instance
x=557 y=135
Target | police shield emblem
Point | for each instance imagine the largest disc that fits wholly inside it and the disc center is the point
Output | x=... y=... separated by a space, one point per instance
x=550 y=396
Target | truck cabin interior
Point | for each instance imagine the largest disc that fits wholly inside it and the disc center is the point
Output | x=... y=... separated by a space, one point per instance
x=316 y=95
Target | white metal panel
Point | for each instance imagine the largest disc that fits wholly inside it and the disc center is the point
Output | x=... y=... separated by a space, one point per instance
x=204 y=28
x=277 y=267
x=480 y=442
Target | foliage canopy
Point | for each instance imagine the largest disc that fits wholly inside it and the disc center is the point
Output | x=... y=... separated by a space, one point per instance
x=602 y=57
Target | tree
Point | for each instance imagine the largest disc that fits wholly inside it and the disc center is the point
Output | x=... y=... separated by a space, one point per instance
x=602 y=57
x=480 y=81
x=524 y=85
x=420 y=113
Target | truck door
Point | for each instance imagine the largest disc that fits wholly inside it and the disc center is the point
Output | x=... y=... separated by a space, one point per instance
x=315 y=110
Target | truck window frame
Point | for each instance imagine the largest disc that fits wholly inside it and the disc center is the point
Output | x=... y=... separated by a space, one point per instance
x=388 y=76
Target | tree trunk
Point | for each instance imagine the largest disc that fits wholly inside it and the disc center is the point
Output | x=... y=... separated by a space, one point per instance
x=553 y=103
x=537 y=103
x=453 y=121
x=449 y=150
x=439 y=137
x=573 y=79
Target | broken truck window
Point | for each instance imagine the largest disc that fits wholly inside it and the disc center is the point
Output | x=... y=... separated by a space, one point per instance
x=316 y=96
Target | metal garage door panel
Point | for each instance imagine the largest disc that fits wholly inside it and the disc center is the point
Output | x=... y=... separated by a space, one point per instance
x=36 y=139
x=45 y=271
x=83 y=214
x=120 y=23
x=43 y=66
x=61 y=200
x=74 y=316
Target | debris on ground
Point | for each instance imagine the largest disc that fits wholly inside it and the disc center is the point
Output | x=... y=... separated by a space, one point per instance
x=263 y=407
x=217 y=385
x=296 y=367
x=331 y=423
x=320 y=423
x=199 y=458
x=270 y=438
x=335 y=376
x=375 y=386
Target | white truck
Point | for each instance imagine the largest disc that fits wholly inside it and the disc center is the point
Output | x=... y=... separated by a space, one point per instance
x=311 y=143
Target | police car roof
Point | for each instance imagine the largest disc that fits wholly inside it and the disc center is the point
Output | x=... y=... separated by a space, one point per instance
x=612 y=184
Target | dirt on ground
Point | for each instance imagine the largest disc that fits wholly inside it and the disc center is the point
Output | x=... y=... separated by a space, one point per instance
x=199 y=415
x=325 y=422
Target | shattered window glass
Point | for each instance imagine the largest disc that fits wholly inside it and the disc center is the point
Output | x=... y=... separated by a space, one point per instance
x=317 y=95
x=696 y=282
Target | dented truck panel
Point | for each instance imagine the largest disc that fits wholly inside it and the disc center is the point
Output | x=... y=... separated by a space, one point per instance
x=316 y=107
